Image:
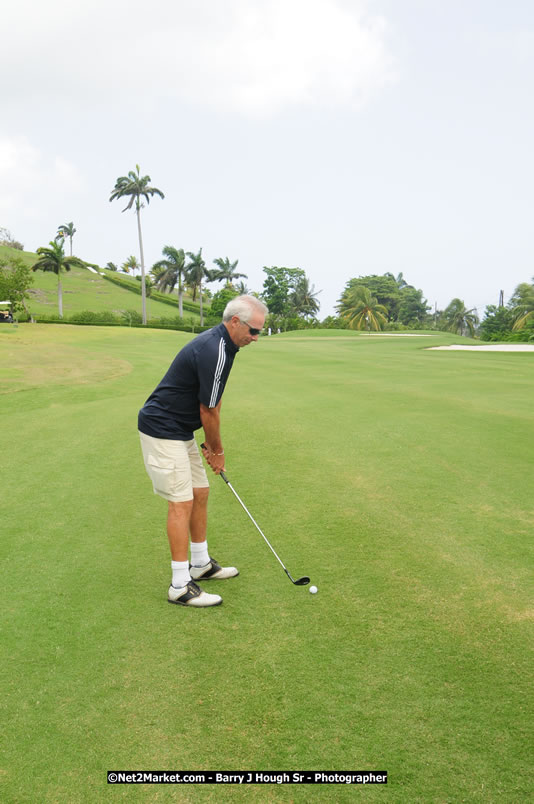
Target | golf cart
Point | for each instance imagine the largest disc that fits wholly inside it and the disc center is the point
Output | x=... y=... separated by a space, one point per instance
x=6 y=315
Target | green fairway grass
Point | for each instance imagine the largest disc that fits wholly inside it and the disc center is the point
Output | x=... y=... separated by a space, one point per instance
x=399 y=479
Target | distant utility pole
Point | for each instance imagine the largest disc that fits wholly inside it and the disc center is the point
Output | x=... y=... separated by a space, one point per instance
x=501 y=298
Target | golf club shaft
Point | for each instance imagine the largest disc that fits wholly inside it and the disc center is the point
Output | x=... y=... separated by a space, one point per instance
x=253 y=520
x=300 y=581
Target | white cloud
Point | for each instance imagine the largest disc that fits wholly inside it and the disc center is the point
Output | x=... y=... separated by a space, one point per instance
x=30 y=181
x=256 y=57
x=298 y=52
x=18 y=160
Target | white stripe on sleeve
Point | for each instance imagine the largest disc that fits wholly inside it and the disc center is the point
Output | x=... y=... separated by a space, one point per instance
x=218 y=374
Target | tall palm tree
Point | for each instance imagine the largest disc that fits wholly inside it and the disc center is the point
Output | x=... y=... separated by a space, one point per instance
x=66 y=230
x=131 y=264
x=361 y=309
x=304 y=299
x=226 y=271
x=172 y=273
x=459 y=319
x=196 y=271
x=53 y=259
x=135 y=186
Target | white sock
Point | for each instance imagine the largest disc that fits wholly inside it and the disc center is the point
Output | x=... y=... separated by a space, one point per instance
x=180 y=573
x=199 y=554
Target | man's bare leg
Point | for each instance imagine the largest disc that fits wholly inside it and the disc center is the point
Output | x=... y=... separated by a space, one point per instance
x=178 y=524
x=199 y=516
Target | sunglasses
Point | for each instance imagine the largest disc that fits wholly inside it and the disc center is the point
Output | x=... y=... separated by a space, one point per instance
x=252 y=330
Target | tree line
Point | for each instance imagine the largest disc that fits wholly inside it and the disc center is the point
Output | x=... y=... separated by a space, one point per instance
x=378 y=302
x=367 y=302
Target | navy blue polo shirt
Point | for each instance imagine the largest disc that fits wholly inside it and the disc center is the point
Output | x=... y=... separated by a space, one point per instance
x=197 y=375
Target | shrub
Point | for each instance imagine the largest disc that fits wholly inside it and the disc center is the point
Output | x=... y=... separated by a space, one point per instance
x=334 y=322
x=131 y=317
x=89 y=317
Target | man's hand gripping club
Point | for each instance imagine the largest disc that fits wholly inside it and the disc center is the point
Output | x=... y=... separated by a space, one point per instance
x=214 y=459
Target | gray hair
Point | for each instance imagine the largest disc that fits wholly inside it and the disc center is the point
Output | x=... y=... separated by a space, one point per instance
x=243 y=307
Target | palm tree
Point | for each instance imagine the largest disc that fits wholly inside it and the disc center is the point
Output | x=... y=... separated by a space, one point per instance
x=401 y=282
x=226 y=271
x=241 y=289
x=459 y=318
x=156 y=272
x=172 y=273
x=361 y=309
x=196 y=271
x=53 y=259
x=523 y=301
x=132 y=264
x=66 y=230
x=304 y=299
x=135 y=186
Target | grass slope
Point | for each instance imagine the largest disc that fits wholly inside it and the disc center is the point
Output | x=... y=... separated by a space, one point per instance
x=85 y=290
x=398 y=479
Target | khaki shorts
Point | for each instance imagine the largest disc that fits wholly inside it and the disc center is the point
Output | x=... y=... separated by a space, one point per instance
x=174 y=467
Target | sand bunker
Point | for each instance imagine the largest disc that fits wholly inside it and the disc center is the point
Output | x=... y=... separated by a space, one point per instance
x=492 y=347
x=399 y=334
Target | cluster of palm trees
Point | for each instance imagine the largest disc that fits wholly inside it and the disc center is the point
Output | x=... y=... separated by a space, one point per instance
x=360 y=309
x=180 y=268
x=368 y=302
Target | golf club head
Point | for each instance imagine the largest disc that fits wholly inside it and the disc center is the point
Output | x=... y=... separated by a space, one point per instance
x=304 y=581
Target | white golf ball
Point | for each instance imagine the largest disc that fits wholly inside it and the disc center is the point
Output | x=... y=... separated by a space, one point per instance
x=313 y=590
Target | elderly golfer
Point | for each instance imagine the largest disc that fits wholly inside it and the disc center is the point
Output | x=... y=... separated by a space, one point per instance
x=188 y=398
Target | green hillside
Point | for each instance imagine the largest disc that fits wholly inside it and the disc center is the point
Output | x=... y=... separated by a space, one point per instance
x=26 y=256
x=85 y=289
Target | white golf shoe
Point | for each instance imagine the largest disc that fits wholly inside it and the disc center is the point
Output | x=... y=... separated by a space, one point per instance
x=192 y=595
x=212 y=571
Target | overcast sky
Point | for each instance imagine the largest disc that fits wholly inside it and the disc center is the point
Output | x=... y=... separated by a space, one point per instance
x=344 y=137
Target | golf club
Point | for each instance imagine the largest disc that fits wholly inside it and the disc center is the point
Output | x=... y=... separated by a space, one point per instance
x=304 y=581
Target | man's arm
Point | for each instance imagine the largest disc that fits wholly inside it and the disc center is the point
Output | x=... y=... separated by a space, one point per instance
x=211 y=422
